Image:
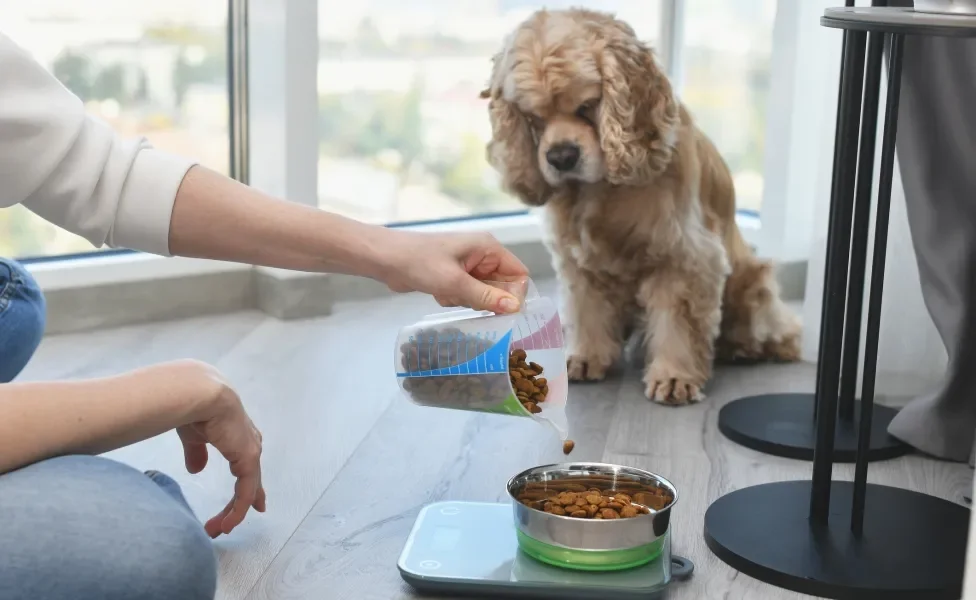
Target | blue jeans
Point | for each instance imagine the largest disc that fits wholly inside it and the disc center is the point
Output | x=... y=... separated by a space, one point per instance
x=90 y=528
x=22 y=318
x=85 y=527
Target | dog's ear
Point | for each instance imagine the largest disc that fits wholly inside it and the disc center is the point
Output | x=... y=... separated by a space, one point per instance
x=639 y=114
x=512 y=150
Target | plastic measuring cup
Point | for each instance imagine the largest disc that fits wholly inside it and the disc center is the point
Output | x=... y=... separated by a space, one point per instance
x=460 y=359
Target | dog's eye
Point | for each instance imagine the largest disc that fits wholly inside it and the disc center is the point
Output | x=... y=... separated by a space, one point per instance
x=587 y=112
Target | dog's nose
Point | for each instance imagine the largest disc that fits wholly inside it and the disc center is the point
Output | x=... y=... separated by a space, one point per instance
x=563 y=156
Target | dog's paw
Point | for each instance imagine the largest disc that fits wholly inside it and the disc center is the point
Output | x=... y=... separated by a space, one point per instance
x=582 y=369
x=673 y=391
x=786 y=350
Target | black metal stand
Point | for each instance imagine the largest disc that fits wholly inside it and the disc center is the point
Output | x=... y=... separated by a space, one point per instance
x=830 y=538
x=786 y=424
x=896 y=557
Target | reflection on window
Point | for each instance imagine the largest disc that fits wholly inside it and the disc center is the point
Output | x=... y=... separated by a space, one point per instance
x=402 y=129
x=153 y=69
x=725 y=57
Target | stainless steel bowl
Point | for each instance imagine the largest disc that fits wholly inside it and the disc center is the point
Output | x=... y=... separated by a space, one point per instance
x=950 y=7
x=584 y=543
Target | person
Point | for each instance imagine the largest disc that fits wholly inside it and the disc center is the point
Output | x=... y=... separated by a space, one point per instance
x=77 y=526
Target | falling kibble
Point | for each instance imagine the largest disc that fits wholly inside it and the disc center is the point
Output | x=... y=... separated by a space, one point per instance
x=568 y=446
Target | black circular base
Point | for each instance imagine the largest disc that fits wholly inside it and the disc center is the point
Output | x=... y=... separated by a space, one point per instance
x=783 y=425
x=913 y=545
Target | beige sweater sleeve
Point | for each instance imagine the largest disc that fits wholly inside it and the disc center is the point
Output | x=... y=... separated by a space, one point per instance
x=73 y=170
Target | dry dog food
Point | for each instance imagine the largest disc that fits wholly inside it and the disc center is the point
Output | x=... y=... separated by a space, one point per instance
x=593 y=503
x=568 y=446
x=442 y=349
x=530 y=389
x=446 y=348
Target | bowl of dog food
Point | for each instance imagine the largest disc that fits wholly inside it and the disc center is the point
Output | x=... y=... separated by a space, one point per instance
x=591 y=516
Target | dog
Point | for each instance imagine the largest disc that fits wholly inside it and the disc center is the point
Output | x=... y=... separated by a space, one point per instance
x=639 y=207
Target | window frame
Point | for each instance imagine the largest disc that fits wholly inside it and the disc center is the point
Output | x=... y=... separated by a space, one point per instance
x=274 y=78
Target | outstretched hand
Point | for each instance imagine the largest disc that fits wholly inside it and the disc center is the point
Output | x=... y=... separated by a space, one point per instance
x=228 y=429
x=453 y=268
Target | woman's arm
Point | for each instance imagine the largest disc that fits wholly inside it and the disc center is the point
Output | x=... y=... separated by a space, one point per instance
x=42 y=420
x=216 y=217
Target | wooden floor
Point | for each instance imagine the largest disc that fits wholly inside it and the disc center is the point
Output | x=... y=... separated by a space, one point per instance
x=349 y=462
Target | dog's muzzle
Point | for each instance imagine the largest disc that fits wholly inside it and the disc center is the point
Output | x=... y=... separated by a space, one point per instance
x=563 y=156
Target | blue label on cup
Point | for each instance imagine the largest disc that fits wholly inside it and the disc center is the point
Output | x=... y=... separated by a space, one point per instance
x=492 y=360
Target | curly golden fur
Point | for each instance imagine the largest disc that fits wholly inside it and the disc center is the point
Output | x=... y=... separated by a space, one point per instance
x=640 y=206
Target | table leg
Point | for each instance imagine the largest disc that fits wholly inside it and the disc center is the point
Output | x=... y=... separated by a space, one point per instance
x=873 y=332
x=835 y=279
x=861 y=228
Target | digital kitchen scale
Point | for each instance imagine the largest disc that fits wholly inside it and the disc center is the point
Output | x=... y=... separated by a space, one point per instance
x=466 y=548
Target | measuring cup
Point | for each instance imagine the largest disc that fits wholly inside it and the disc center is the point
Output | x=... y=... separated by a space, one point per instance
x=462 y=359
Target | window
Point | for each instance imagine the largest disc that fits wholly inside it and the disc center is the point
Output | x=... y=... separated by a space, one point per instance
x=726 y=47
x=402 y=130
x=156 y=69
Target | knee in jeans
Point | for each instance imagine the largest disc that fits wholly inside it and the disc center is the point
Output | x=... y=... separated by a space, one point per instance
x=24 y=290
x=120 y=537
x=22 y=317
x=174 y=560
x=174 y=556
x=186 y=568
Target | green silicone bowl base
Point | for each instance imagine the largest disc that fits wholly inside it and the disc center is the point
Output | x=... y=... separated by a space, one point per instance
x=590 y=560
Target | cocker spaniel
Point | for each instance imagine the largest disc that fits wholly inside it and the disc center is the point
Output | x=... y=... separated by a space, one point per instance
x=639 y=205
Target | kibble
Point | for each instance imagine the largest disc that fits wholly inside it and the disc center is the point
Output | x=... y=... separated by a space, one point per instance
x=530 y=389
x=568 y=446
x=431 y=349
x=575 y=500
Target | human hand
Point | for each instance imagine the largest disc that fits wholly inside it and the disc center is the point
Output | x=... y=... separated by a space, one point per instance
x=453 y=268
x=224 y=425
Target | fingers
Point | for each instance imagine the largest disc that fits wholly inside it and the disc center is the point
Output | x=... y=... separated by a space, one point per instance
x=248 y=490
x=501 y=260
x=488 y=260
x=261 y=500
x=194 y=449
x=245 y=495
x=447 y=301
x=244 y=455
x=248 y=493
x=481 y=296
x=214 y=526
